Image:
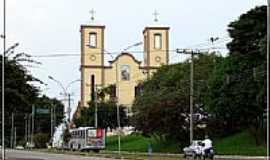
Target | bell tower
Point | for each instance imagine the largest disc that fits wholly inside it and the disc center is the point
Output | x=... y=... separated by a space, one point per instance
x=156 y=46
x=92 y=59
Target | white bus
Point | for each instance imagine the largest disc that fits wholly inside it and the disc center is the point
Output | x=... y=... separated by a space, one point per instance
x=87 y=138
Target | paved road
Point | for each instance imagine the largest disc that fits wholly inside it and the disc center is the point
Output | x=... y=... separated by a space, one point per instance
x=29 y=155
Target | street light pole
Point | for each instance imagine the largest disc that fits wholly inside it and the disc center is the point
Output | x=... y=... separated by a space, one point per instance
x=191 y=97
x=117 y=105
x=117 y=95
x=3 y=81
x=268 y=49
x=65 y=93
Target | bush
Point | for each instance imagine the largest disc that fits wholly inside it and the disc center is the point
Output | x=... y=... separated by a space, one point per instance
x=40 y=140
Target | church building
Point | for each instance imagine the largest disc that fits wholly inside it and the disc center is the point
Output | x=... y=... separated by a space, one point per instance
x=125 y=71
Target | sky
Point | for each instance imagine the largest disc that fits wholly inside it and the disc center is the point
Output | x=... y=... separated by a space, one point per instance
x=45 y=27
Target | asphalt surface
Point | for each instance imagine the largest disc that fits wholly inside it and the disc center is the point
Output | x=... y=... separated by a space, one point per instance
x=30 y=155
x=34 y=155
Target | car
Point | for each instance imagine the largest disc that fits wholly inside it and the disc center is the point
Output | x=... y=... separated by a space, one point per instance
x=19 y=147
x=194 y=150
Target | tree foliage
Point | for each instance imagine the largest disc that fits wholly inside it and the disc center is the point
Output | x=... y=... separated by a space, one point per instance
x=40 y=140
x=21 y=95
x=107 y=115
x=237 y=89
x=162 y=107
x=43 y=121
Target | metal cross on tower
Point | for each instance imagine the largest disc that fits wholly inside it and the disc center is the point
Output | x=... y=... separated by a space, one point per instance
x=92 y=12
x=156 y=16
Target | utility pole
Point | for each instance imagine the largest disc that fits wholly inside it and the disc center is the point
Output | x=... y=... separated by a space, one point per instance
x=33 y=124
x=25 y=131
x=15 y=137
x=51 y=122
x=12 y=130
x=69 y=107
x=29 y=128
x=54 y=117
x=192 y=53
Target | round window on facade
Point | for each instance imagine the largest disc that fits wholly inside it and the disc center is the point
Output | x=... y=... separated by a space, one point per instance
x=93 y=57
x=158 y=59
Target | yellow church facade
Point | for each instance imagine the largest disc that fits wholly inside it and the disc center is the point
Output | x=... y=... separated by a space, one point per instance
x=125 y=71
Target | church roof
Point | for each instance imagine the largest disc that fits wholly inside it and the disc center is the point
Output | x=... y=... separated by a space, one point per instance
x=156 y=27
x=92 y=26
x=125 y=54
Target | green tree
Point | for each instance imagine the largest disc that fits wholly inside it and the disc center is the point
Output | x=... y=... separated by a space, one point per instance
x=107 y=115
x=40 y=140
x=43 y=121
x=21 y=94
x=162 y=108
x=237 y=90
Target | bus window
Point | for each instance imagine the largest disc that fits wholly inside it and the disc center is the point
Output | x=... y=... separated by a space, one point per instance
x=83 y=134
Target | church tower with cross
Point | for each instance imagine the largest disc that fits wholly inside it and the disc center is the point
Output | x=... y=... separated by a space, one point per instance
x=124 y=72
x=92 y=57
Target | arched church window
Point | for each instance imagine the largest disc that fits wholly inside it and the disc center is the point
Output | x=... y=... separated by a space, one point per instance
x=157 y=41
x=92 y=40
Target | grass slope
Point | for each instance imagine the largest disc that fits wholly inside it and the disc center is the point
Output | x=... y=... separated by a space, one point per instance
x=138 y=143
x=239 y=144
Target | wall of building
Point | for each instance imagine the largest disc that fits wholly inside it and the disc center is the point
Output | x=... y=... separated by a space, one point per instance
x=106 y=75
x=126 y=87
x=92 y=60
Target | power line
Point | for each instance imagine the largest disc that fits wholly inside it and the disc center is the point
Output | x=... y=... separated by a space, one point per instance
x=208 y=42
x=110 y=53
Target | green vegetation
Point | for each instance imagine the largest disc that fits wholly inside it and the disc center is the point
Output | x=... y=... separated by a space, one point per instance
x=107 y=113
x=162 y=108
x=239 y=144
x=229 y=92
x=21 y=94
x=41 y=139
x=236 y=97
x=229 y=97
x=139 y=143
